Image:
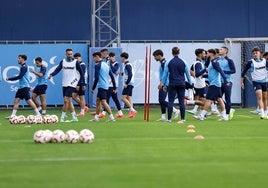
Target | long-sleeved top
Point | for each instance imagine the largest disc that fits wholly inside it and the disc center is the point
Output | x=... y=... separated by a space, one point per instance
x=84 y=69
x=42 y=80
x=199 y=71
x=228 y=67
x=101 y=76
x=161 y=69
x=114 y=67
x=215 y=73
x=128 y=74
x=257 y=68
x=23 y=77
x=175 y=71
x=69 y=68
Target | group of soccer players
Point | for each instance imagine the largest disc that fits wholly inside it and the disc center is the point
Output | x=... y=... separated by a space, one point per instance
x=74 y=84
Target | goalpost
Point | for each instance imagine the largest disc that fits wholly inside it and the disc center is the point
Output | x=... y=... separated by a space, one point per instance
x=242 y=47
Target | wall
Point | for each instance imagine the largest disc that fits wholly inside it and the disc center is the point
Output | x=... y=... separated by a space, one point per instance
x=140 y=19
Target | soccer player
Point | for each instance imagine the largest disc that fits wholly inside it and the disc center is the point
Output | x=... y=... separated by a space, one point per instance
x=70 y=68
x=214 y=90
x=40 y=89
x=128 y=84
x=81 y=92
x=114 y=67
x=24 y=87
x=105 y=55
x=162 y=95
x=228 y=67
x=174 y=77
x=199 y=72
x=101 y=77
x=258 y=69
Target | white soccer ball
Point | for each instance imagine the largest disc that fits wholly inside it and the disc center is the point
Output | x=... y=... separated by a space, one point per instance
x=38 y=119
x=58 y=136
x=72 y=136
x=48 y=134
x=47 y=119
x=31 y=119
x=86 y=136
x=21 y=119
x=13 y=119
x=40 y=137
x=54 y=118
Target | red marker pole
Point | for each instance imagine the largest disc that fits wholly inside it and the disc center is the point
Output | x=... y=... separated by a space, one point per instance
x=145 y=85
x=148 y=86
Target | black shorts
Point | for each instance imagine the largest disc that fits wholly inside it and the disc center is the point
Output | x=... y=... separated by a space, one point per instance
x=128 y=90
x=40 y=89
x=259 y=86
x=80 y=92
x=23 y=93
x=102 y=93
x=200 y=92
x=67 y=91
x=213 y=93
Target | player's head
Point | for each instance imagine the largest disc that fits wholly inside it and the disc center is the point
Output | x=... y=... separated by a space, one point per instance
x=124 y=57
x=175 y=51
x=265 y=55
x=69 y=53
x=22 y=58
x=97 y=57
x=217 y=52
x=223 y=51
x=256 y=52
x=38 y=61
x=104 y=53
x=112 y=56
x=211 y=53
x=200 y=53
x=158 y=55
x=77 y=56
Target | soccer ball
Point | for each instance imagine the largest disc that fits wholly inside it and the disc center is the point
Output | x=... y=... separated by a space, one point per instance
x=47 y=119
x=38 y=119
x=54 y=118
x=48 y=134
x=72 y=136
x=13 y=119
x=86 y=136
x=58 y=136
x=21 y=119
x=31 y=119
x=40 y=137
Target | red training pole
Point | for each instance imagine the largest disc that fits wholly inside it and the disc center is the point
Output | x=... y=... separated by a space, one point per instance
x=149 y=84
x=145 y=86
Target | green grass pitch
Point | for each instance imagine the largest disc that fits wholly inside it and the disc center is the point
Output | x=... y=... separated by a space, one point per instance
x=134 y=153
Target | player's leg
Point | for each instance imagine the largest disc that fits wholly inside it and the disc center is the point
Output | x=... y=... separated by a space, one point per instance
x=171 y=98
x=26 y=96
x=117 y=104
x=43 y=99
x=35 y=100
x=162 y=95
x=181 y=95
x=258 y=91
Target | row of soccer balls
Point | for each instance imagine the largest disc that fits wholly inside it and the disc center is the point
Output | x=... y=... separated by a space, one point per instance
x=31 y=119
x=58 y=136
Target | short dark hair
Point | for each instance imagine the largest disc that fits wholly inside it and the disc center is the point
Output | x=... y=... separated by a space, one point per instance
x=68 y=49
x=77 y=55
x=224 y=47
x=256 y=49
x=125 y=55
x=265 y=54
x=104 y=50
x=96 y=54
x=111 y=54
x=217 y=50
x=199 y=51
x=175 y=51
x=38 y=59
x=212 y=51
x=158 y=52
x=23 y=56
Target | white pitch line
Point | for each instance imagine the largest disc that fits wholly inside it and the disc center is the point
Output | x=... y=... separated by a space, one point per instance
x=58 y=159
x=245 y=116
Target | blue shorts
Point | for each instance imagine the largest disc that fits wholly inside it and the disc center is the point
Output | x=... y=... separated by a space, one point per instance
x=23 y=93
x=213 y=93
x=259 y=86
x=67 y=91
x=40 y=89
x=102 y=93
x=128 y=90
x=80 y=92
x=201 y=92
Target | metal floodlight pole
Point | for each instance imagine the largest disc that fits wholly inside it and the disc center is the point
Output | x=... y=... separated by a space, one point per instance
x=93 y=23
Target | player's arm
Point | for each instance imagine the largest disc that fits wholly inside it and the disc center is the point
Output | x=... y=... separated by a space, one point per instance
x=23 y=70
x=187 y=73
x=198 y=70
x=129 y=73
x=56 y=71
x=114 y=67
x=217 y=67
x=82 y=74
x=246 y=68
x=112 y=78
x=232 y=67
x=96 y=76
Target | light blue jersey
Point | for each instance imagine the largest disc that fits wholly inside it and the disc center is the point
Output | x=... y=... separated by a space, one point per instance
x=43 y=79
x=23 y=77
x=227 y=66
x=215 y=73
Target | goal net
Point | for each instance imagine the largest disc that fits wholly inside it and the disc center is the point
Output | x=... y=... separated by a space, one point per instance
x=243 y=47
